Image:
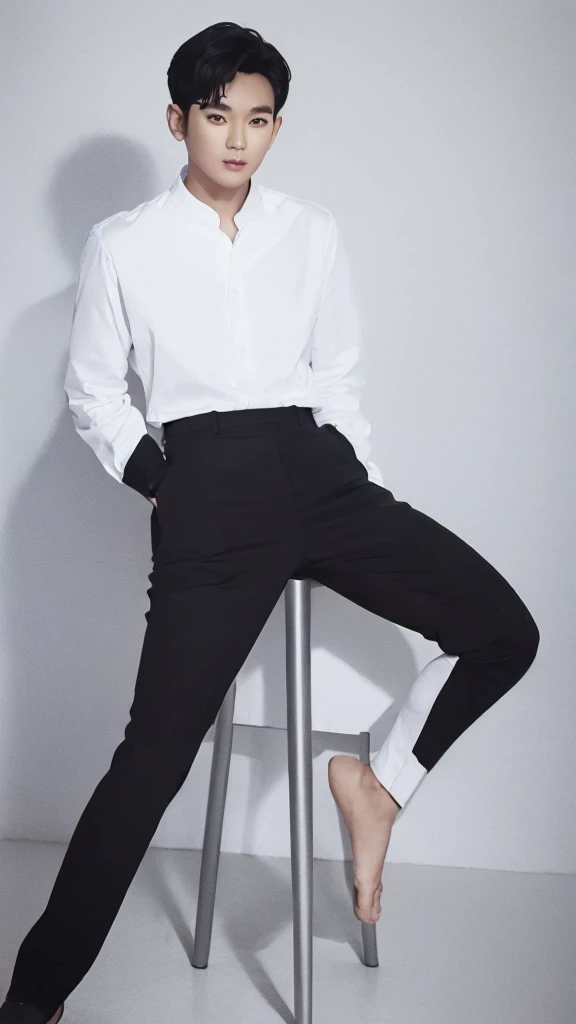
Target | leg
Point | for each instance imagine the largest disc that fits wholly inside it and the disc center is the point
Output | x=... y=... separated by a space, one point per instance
x=202 y=623
x=225 y=540
x=400 y=564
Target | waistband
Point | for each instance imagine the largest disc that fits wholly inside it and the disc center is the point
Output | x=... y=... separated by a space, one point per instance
x=215 y=420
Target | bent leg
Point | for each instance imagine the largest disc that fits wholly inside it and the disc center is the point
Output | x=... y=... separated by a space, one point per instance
x=400 y=564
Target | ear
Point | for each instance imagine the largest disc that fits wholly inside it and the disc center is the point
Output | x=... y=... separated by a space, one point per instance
x=174 y=118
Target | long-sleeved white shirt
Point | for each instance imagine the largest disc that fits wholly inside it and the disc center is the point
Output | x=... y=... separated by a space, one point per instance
x=269 y=319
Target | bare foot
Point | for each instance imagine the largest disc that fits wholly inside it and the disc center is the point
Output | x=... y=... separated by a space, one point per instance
x=369 y=812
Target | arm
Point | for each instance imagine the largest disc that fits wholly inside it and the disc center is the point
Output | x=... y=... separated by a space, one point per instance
x=95 y=382
x=337 y=353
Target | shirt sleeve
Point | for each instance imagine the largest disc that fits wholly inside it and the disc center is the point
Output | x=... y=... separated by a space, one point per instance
x=338 y=353
x=95 y=381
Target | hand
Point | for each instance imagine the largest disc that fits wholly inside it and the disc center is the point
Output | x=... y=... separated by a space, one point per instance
x=153 y=500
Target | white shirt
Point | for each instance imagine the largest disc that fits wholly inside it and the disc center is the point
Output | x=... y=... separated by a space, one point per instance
x=269 y=319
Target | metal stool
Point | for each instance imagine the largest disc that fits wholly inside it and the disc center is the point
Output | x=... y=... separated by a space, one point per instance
x=299 y=730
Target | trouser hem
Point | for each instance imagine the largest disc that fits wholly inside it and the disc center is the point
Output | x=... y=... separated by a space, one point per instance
x=400 y=784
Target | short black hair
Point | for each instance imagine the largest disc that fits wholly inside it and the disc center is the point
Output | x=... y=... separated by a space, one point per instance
x=206 y=62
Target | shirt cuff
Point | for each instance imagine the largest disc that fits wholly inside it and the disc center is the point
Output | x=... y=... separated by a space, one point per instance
x=146 y=467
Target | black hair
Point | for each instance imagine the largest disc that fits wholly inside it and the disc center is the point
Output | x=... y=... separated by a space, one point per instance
x=206 y=62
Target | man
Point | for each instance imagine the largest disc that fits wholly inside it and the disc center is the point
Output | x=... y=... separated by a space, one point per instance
x=235 y=304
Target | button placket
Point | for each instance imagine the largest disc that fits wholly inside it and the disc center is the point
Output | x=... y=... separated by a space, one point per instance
x=239 y=324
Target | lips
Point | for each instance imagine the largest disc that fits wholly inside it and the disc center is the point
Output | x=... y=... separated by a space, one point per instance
x=236 y=163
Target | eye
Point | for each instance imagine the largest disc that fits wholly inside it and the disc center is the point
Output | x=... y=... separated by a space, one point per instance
x=264 y=121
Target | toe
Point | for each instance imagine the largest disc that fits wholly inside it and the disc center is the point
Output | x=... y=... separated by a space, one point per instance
x=367 y=902
x=364 y=904
x=376 y=908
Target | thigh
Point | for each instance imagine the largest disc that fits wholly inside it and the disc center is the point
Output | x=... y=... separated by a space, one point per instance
x=223 y=549
x=401 y=564
x=201 y=625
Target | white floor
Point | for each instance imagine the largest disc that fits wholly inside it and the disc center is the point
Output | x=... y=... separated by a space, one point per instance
x=455 y=946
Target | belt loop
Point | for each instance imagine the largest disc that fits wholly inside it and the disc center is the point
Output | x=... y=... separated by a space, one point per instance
x=215 y=422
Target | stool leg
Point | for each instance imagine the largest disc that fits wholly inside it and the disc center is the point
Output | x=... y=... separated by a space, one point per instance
x=299 y=735
x=368 y=930
x=219 y=772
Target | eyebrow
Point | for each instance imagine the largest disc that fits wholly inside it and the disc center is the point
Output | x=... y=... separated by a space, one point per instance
x=262 y=109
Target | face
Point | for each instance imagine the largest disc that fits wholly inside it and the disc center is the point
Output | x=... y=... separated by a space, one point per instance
x=240 y=126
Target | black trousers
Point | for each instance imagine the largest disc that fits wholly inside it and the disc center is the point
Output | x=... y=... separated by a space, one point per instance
x=250 y=499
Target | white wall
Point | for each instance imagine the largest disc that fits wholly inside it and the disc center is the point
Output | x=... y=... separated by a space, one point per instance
x=442 y=136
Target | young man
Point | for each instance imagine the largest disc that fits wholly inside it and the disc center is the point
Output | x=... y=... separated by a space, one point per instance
x=235 y=304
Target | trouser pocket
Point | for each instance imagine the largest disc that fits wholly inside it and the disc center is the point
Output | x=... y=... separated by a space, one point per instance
x=341 y=438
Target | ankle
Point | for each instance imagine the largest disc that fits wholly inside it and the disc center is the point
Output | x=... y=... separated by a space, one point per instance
x=373 y=782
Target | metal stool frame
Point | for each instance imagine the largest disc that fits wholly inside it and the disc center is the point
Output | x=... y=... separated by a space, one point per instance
x=299 y=733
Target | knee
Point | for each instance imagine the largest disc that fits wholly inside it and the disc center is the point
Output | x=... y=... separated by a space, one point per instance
x=525 y=638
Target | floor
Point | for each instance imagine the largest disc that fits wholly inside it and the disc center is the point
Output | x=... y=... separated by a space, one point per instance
x=456 y=946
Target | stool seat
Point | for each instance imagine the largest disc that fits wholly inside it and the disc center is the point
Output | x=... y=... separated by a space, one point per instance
x=312 y=583
x=299 y=735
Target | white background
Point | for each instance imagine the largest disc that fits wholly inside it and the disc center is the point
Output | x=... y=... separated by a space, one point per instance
x=442 y=137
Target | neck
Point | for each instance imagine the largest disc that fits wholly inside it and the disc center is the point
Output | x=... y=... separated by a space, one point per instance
x=226 y=201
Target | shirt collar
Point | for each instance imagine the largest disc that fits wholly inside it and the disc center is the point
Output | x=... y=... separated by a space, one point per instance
x=252 y=207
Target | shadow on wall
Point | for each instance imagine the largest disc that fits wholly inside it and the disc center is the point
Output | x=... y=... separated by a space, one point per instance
x=77 y=546
x=76 y=560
